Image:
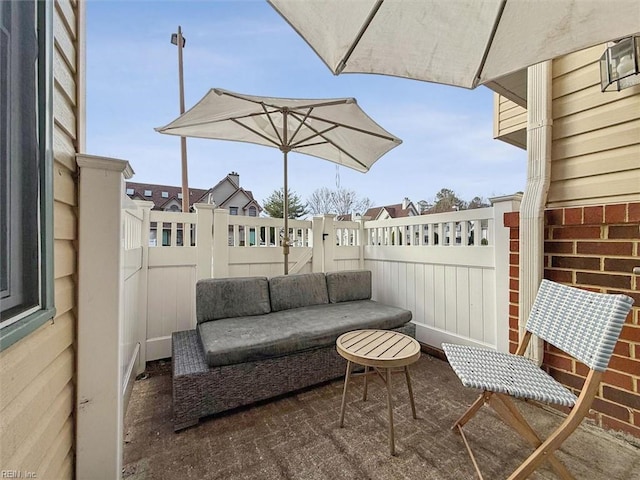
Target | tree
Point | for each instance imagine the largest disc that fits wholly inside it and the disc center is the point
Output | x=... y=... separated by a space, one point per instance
x=274 y=205
x=340 y=201
x=446 y=200
x=478 y=202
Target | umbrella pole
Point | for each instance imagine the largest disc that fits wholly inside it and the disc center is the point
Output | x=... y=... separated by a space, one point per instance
x=285 y=213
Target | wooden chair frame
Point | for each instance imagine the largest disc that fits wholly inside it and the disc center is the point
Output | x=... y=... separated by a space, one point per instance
x=560 y=314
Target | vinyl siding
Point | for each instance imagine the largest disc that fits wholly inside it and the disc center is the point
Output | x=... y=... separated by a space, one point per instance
x=36 y=373
x=509 y=118
x=596 y=136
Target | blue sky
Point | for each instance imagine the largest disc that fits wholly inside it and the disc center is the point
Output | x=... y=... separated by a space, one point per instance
x=245 y=46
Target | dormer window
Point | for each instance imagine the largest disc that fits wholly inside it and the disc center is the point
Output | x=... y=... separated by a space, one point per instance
x=165 y=194
x=129 y=191
x=147 y=193
x=252 y=211
x=233 y=210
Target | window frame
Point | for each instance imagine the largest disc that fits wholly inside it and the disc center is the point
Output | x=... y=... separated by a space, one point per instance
x=14 y=332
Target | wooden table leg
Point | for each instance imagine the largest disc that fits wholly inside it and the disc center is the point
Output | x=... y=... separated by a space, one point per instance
x=413 y=405
x=366 y=376
x=344 y=393
x=392 y=446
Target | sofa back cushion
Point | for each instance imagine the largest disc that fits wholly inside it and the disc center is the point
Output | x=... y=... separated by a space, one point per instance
x=349 y=286
x=218 y=298
x=294 y=291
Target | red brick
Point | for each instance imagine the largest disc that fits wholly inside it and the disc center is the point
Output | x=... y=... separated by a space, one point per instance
x=513 y=271
x=511 y=219
x=630 y=333
x=513 y=259
x=622 y=364
x=593 y=215
x=513 y=297
x=554 y=217
x=576 y=233
x=620 y=380
x=624 y=265
x=558 y=362
x=605 y=248
x=615 y=213
x=624 y=231
x=514 y=234
x=513 y=310
x=576 y=263
x=611 y=409
x=513 y=336
x=604 y=280
x=614 y=424
x=561 y=276
x=573 y=216
x=634 y=212
x=568 y=379
x=514 y=246
x=628 y=399
x=623 y=349
x=558 y=247
x=514 y=284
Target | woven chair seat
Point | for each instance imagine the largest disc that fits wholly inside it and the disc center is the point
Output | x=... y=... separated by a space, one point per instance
x=505 y=373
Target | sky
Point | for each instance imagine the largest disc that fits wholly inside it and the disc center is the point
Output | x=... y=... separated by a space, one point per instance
x=246 y=47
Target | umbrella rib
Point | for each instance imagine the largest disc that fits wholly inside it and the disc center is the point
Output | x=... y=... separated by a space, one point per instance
x=252 y=130
x=318 y=133
x=361 y=130
x=300 y=123
x=272 y=124
x=476 y=79
x=343 y=63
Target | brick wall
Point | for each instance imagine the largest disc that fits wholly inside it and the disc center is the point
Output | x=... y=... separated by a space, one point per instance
x=594 y=248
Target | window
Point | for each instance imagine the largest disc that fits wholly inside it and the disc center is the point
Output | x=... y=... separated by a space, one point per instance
x=129 y=191
x=252 y=211
x=147 y=193
x=26 y=187
x=165 y=194
x=180 y=196
x=233 y=210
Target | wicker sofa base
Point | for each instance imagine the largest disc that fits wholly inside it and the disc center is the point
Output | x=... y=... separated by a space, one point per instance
x=200 y=390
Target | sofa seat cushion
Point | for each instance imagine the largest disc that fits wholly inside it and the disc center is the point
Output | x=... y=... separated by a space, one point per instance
x=246 y=339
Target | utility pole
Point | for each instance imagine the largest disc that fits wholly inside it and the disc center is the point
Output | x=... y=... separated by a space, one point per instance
x=179 y=40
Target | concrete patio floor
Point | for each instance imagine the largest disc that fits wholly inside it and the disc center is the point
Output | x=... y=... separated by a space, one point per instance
x=297 y=436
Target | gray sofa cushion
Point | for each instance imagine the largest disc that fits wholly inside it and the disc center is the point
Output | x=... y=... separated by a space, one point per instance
x=231 y=297
x=247 y=339
x=294 y=291
x=349 y=285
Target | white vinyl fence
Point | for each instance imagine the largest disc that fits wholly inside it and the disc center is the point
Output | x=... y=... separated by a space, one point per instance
x=449 y=269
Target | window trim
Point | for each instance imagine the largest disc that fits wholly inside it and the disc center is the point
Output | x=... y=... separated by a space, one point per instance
x=23 y=327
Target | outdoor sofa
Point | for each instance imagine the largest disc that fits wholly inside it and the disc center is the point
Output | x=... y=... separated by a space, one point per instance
x=257 y=338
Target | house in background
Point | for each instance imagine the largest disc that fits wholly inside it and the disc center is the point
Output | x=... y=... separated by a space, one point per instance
x=227 y=193
x=398 y=210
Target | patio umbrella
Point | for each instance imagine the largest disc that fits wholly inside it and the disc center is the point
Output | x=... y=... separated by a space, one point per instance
x=335 y=129
x=454 y=42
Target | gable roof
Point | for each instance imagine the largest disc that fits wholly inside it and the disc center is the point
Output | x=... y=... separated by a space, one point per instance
x=195 y=194
x=394 y=211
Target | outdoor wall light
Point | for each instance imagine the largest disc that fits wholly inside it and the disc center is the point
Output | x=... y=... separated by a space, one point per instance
x=174 y=39
x=620 y=64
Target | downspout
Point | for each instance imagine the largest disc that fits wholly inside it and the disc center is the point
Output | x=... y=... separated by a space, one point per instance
x=539 y=130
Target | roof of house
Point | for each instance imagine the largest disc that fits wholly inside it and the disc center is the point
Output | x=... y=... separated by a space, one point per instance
x=161 y=195
x=394 y=211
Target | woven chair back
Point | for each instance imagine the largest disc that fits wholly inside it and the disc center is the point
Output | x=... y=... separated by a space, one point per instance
x=584 y=324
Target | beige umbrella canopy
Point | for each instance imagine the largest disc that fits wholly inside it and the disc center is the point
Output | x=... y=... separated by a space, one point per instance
x=335 y=129
x=454 y=42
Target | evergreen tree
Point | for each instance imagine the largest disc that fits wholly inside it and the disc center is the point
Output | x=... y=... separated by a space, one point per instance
x=274 y=205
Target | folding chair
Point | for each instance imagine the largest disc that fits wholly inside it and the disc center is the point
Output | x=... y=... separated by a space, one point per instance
x=586 y=325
